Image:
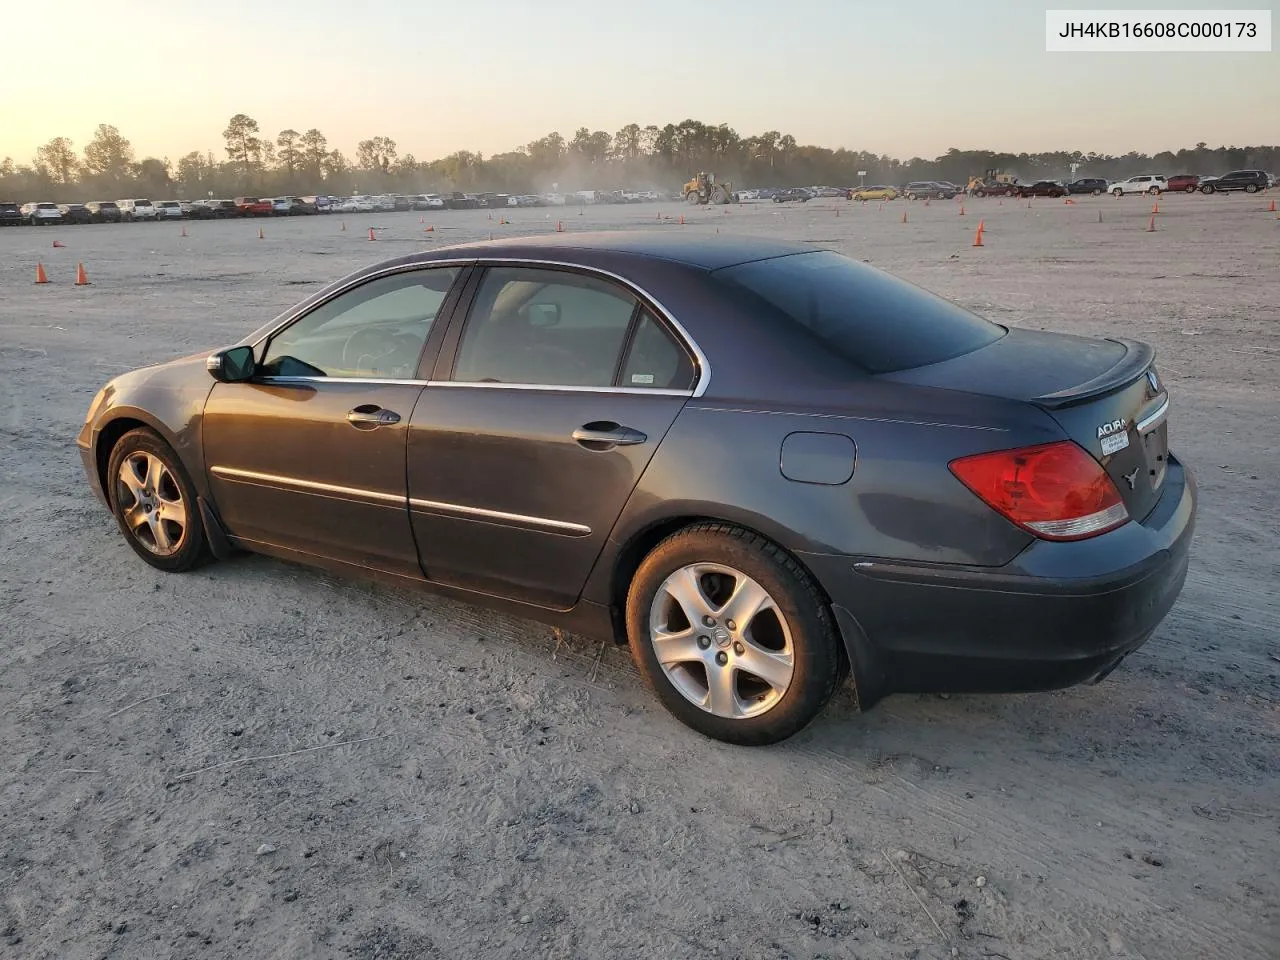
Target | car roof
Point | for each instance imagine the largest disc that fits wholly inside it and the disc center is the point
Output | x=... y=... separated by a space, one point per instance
x=689 y=248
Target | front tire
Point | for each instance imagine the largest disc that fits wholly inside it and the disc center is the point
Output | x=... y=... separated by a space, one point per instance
x=1191 y=188
x=154 y=502
x=1117 y=192
x=1251 y=188
x=733 y=635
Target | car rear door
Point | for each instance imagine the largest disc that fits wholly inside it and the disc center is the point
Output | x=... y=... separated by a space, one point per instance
x=548 y=401
x=309 y=455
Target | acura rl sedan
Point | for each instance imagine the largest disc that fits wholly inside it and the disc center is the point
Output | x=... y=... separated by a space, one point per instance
x=767 y=467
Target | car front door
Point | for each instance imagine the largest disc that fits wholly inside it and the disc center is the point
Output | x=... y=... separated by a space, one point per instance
x=546 y=406
x=309 y=455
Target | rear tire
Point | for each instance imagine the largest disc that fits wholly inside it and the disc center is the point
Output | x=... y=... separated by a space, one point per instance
x=1251 y=188
x=154 y=502
x=1207 y=189
x=788 y=633
x=1190 y=188
x=1117 y=192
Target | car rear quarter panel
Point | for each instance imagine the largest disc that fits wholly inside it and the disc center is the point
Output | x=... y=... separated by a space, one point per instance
x=722 y=460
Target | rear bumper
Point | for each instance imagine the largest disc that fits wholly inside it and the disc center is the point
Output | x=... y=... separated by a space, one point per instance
x=1057 y=615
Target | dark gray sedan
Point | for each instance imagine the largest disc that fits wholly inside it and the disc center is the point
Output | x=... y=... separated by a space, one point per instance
x=764 y=466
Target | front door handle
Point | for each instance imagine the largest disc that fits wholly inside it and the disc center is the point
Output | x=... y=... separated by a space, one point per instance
x=372 y=415
x=604 y=435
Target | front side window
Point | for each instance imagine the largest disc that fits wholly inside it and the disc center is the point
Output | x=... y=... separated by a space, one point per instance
x=375 y=330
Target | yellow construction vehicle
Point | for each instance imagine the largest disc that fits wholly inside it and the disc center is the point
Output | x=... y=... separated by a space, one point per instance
x=992 y=184
x=704 y=189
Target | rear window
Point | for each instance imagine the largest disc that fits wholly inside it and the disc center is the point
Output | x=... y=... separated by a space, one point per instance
x=871 y=318
x=142 y=203
x=107 y=206
x=46 y=206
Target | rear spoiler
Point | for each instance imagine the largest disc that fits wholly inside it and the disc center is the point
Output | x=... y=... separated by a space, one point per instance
x=1133 y=364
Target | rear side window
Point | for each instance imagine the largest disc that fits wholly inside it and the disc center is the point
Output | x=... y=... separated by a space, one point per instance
x=545 y=327
x=871 y=318
x=556 y=328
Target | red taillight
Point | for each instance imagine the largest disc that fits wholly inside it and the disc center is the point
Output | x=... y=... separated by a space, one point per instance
x=1056 y=490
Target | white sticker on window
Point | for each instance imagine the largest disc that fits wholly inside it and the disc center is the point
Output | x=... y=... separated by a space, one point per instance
x=642 y=378
x=1113 y=443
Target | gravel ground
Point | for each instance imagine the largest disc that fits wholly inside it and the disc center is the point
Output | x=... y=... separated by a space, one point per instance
x=259 y=760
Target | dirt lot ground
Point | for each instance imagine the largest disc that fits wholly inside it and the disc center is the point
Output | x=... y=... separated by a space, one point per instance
x=260 y=761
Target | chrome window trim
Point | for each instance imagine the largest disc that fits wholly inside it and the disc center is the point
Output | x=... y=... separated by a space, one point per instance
x=237 y=475
x=548 y=388
x=700 y=358
x=558 y=526
x=384 y=381
x=553 y=388
x=1154 y=419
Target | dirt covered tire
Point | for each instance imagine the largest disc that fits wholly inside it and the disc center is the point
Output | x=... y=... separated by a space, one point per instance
x=154 y=502
x=733 y=635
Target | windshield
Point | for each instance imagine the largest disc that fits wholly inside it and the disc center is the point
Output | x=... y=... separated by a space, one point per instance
x=875 y=320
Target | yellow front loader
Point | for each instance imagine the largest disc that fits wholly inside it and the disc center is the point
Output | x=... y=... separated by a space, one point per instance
x=703 y=189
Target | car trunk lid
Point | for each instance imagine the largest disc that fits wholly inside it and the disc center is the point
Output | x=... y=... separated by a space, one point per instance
x=1104 y=393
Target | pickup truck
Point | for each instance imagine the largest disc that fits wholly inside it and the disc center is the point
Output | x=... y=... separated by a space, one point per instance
x=253 y=207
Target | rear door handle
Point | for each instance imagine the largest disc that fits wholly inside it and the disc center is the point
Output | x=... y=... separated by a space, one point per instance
x=604 y=435
x=371 y=415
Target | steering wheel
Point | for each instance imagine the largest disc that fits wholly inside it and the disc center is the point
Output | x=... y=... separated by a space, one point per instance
x=381 y=345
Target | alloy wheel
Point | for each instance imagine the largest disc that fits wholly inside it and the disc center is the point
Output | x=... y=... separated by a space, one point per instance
x=151 y=503
x=721 y=640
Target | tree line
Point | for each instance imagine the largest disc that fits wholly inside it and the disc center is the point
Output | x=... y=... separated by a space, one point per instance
x=635 y=157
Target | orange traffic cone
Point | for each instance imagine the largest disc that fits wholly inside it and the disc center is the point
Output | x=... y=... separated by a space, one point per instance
x=57 y=244
x=1272 y=208
x=184 y=229
x=344 y=227
x=559 y=227
x=371 y=236
x=962 y=209
x=977 y=237
x=81 y=279
x=1151 y=227
x=41 y=277
x=429 y=229
x=261 y=235
x=1155 y=208
x=682 y=219
x=904 y=216
x=422 y=219
x=502 y=221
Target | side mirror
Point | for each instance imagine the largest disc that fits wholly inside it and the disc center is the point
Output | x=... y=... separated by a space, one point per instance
x=233 y=365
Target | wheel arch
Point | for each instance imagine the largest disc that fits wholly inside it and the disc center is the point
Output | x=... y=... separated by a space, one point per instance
x=631 y=552
x=109 y=433
x=623 y=562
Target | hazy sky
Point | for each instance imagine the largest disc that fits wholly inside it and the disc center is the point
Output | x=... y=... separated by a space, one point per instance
x=489 y=75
